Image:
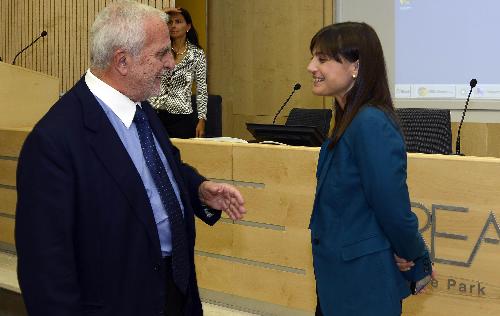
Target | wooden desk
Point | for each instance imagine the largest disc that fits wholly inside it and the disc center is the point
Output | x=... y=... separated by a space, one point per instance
x=266 y=259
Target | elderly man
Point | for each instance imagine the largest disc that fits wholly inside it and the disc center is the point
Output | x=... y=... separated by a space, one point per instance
x=105 y=212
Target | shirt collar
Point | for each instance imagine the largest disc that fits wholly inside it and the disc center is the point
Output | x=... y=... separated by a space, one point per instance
x=120 y=104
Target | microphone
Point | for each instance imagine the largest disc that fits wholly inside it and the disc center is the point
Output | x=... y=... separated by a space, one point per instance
x=295 y=88
x=472 y=84
x=43 y=34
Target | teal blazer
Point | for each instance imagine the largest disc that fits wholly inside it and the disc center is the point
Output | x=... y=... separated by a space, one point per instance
x=361 y=217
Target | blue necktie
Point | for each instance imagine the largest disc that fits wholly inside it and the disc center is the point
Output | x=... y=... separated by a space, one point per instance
x=180 y=261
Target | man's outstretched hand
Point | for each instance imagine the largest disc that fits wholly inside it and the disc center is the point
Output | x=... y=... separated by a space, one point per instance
x=223 y=196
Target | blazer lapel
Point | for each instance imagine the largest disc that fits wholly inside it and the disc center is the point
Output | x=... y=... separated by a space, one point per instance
x=323 y=169
x=108 y=147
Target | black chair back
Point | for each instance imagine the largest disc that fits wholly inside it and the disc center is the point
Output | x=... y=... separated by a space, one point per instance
x=426 y=130
x=213 y=126
x=319 y=118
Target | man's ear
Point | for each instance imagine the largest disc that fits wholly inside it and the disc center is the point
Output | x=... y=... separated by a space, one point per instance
x=121 y=61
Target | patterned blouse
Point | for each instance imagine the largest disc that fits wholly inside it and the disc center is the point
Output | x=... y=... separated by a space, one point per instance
x=175 y=93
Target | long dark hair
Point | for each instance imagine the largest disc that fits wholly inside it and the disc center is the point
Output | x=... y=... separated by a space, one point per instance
x=356 y=41
x=192 y=35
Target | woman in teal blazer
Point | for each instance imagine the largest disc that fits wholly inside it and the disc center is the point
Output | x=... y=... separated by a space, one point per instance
x=362 y=215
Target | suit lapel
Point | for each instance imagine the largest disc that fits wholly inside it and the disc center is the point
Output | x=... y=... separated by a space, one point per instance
x=108 y=147
x=323 y=169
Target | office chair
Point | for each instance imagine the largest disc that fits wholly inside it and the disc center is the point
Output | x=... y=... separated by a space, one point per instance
x=319 y=118
x=213 y=126
x=426 y=130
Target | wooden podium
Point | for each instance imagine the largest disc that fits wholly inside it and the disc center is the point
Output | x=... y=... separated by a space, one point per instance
x=264 y=263
x=25 y=95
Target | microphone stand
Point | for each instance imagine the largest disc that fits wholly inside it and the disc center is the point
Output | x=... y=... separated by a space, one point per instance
x=43 y=34
x=473 y=83
x=295 y=88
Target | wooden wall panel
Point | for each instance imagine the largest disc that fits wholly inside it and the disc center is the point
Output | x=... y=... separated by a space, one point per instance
x=8 y=197
x=198 y=11
x=8 y=172
x=63 y=53
x=11 y=141
x=25 y=96
x=214 y=164
x=7 y=231
x=478 y=139
x=258 y=51
x=272 y=241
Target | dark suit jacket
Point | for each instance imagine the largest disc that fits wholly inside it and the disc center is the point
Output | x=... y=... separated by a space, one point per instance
x=361 y=217
x=86 y=238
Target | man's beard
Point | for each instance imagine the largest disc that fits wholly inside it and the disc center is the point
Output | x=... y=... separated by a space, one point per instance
x=152 y=88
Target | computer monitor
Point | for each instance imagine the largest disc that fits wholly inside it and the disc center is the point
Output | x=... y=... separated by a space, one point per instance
x=290 y=135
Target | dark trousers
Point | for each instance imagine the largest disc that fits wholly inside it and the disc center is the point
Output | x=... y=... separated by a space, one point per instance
x=179 y=125
x=175 y=300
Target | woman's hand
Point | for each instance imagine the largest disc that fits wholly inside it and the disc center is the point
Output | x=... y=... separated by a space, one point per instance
x=200 y=128
x=170 y=10
x=403 y=264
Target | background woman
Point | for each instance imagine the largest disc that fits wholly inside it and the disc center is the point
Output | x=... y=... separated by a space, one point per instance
x=174 y=102
x=362 y=214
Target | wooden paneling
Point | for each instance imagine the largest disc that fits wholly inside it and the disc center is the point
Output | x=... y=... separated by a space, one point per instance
x=26 y=95
x=212 y=163
x=8 y=172
x=8 y=198
x=258 y=50
x=268 y=285
x=11 y=141
x=461 y=195
x=478 y=139
x=7 y=230
x=198 y=11
x=267 y=257
x=63 y=53
x=288 y=176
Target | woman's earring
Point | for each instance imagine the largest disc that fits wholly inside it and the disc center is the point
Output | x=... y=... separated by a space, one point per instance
x=354 y=76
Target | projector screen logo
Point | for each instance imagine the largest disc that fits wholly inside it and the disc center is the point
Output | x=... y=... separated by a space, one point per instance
x=405 y=4
x=422 y=92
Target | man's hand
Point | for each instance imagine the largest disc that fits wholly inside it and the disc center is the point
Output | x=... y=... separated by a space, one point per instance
x=222 y=196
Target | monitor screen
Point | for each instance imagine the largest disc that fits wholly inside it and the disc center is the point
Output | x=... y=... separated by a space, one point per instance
x=290 y=135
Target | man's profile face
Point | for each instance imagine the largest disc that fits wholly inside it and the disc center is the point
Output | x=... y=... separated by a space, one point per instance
x=152 y=62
